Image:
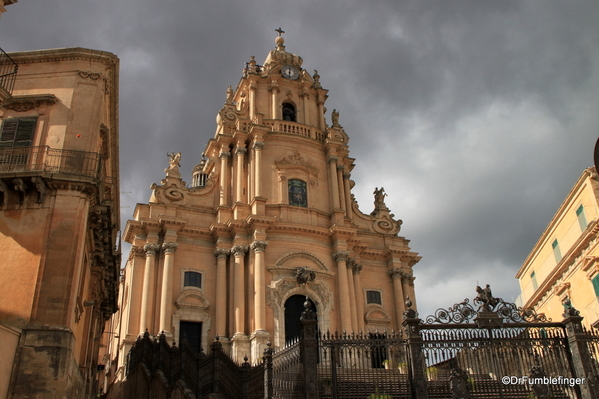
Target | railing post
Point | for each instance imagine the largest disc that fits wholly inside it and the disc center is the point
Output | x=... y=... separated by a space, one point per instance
x=417 y=374
x=579 y=350
x=217 y=349
x=268 y=374
x=245 y=371
x=308 y=351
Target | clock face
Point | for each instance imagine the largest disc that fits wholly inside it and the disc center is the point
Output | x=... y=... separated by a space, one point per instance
x=289 y=72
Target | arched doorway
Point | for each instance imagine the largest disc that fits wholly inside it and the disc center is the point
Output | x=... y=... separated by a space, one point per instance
x=294 y=306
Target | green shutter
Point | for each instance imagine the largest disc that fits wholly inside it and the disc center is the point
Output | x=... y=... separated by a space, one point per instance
x=595 y=281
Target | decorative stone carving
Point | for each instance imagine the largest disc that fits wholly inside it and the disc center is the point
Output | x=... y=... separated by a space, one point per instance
x=239 y=250
x=379 y=198
x=240 y=150
x=173 y=169
x=224 y=154
x=40 y=187
x=335 y=118
x=316 y=78
x=151 y=249
x=340 y=256
x=137 y=252
x=331 y=159
x=258 y=145
x=396 y=273
x=21 y=187
x=169 y=247
x=89 y=75
x=29 y=102
x=259 y=246
x=304 y=275
x=357 y=268
x=221 y=253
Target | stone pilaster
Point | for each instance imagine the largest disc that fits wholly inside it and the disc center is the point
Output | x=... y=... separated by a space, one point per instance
x=221 y=291
x=398 y=294
x=344 y=307
x=357 y=268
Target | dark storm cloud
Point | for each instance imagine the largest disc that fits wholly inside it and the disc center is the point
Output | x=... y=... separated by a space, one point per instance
x=476 y=116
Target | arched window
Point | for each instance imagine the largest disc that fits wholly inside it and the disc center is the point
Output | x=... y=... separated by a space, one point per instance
x=298 y=193
x=289 y=112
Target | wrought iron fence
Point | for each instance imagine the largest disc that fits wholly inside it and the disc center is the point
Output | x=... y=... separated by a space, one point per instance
x=287 y=379
x=8 y=72
x=360 y=365
x=50 y=160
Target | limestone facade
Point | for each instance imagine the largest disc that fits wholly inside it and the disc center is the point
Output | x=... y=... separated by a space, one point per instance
x=271 y=198
x=59 y=217
x=563 y=266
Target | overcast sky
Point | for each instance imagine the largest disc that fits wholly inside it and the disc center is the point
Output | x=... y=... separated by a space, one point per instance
x=476 y=116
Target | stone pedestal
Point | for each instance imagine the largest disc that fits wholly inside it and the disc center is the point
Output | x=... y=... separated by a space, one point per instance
x=258 y=341
x=240 y=347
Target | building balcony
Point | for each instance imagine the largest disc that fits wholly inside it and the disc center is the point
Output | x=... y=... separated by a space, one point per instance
x=296 y=128
x=8 y=75
x=49 y=162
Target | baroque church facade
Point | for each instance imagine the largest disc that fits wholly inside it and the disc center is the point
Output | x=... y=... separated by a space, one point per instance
x=269 y=204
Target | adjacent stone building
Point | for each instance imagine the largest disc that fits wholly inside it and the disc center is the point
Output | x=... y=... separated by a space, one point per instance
x=268 y=219
x=59 y=218
x=563 y=266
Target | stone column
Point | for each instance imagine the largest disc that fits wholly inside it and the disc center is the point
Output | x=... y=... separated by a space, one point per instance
x=348 y=202
x=239 y=288
x=398 y=295
x=334 y=185
x=260 y=336
x=221 y=291
x=259 y=285
x=258 y=146
x=166 y=300
x=344 y=305
x=276 y=109
x=224 y=177
x=240 y=151
x=352 y=294
x=148 y=282
x=359 y=296
x=342 y=202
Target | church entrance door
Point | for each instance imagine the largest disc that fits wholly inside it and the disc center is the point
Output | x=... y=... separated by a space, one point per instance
x=294 y=306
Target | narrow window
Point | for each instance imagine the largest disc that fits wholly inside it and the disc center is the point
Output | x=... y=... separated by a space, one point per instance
x=533 y=278
x=373 y=297
x=298 y=193
x=556 y=252
x=192 y=279
x=16 y=133
x=582 y=220
x=595 y=282
x=289 y=112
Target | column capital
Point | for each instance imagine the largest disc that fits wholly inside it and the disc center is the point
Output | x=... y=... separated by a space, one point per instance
x=239 y=250
x=396 y=273
x=340 y=256
x=222 y=253
x=151 y=249
x=137 y=251
x=340 y=168
x=259 y=245
x=258 y=145
x=357 y=268
x=350 y=263
x=224 y=154
x=332 y=159
x=240 y=150
x=346 y=175
x=170 y=247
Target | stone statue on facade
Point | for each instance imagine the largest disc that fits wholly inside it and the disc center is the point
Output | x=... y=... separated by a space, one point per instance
x=379 y=198
x=335 y=118
x=173 y=168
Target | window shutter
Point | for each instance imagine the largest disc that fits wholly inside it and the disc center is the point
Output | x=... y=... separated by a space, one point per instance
x=17 y=132
x=595 y=281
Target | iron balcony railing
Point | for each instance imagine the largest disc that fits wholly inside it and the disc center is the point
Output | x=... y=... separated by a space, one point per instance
x=8 y=73
x=48 y=160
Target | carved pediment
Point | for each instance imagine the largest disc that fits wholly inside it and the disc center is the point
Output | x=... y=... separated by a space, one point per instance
x=192 y=298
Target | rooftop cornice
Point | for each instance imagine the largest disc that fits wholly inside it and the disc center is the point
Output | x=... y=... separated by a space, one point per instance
x=64 y=54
